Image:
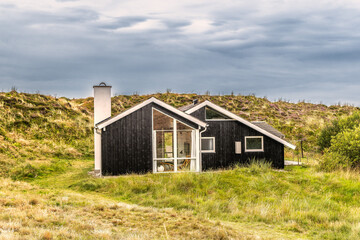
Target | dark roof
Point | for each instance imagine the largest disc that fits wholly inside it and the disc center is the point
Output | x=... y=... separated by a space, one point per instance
x=268 y=128
x=187 y=107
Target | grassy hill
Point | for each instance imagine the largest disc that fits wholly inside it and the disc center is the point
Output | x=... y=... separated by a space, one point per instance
x=35 y=126
x=48 y=143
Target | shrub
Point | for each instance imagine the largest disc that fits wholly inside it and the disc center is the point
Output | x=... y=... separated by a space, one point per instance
x=337 y=126
x=324 y=139
x=344 y=151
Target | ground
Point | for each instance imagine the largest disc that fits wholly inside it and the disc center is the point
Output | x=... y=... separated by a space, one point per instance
x=254 y=202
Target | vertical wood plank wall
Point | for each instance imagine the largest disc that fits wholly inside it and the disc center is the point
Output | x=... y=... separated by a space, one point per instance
x=226 y=133
x=127 y=143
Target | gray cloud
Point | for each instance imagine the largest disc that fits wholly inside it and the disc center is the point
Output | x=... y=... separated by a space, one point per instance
x=303 y=55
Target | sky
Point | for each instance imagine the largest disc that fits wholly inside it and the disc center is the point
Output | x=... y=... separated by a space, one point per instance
x=288 y=49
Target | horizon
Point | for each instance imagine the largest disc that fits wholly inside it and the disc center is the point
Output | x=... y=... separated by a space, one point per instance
x=280 y=99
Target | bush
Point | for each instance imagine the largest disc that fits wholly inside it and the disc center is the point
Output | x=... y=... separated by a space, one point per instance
x=337 y=126
x=344 y=151
x=324 y=139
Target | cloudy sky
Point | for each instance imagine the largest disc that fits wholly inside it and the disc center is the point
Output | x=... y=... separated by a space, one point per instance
x=290 y=49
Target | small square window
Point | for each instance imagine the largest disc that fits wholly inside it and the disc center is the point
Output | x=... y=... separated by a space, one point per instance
x=208 y=144
x=254 y=144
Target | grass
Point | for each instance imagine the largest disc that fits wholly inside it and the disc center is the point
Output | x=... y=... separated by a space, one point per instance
x=30 y=212
x=299 y=202
x=45 y=142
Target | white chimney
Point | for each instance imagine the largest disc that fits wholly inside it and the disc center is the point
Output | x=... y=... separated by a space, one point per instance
x=102 y=111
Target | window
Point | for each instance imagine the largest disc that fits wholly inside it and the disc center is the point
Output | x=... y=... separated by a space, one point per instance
x=237 y=147
x=208 y=144
x=174 y=147
x=211 y=114
x=254 y=144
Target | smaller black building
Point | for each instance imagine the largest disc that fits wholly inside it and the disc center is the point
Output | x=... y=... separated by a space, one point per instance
x=156 y=137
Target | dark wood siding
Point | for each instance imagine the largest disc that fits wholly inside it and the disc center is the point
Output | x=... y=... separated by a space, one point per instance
x=226 y=133
x=127 y=143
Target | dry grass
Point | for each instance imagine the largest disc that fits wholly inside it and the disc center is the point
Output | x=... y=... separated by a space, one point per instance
x=29 y=212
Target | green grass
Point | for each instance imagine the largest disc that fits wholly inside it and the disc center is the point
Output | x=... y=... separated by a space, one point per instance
x=41 y=136
x=298 y=200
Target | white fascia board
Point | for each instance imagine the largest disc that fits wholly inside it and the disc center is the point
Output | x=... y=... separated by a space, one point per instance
x=240 y=119
x=143 y=104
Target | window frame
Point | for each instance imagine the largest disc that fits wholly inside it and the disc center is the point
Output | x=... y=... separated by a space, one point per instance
x=175 y=158
x=208 y=151
x=254 y=150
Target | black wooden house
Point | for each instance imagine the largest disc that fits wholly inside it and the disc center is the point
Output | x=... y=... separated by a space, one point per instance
x=156 y=137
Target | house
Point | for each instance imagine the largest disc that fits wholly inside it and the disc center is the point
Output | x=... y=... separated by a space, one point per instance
x=156 y=137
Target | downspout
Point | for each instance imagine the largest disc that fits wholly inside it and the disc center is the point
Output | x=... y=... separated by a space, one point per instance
x=200 y=146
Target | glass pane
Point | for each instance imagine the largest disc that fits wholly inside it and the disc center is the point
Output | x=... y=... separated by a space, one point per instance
x=161 y=121
x=164 y=165
x=212 y=114
x=186 y=165
x=253 y=143
x=207 y=144
x=164 y=144
x=184 y=144
x=181 y=126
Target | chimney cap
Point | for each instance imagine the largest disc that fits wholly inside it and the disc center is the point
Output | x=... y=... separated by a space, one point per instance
x=102 y=84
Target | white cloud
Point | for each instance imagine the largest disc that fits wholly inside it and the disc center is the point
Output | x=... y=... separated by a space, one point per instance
x=198 y=26
x=148 y=25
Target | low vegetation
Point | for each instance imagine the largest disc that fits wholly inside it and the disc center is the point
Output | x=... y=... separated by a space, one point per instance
x=340 y=142
x=298 y=202
x=30 y=212
x=46 y=151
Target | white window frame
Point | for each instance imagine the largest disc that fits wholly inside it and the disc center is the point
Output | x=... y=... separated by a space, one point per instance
x=255 y=150
x=208 y=151
x=194 y=136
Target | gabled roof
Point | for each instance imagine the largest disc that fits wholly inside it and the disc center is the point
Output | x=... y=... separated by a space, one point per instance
x=269 y=128
x=187 y=107
x=109 y=121
x=240 y=119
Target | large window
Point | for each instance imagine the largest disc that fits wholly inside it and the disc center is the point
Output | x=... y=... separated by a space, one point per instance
x=254 y=144
x=174 y=144
x=208 y=144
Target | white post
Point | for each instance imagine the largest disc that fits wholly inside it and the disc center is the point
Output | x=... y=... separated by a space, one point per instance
x=102 y=111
